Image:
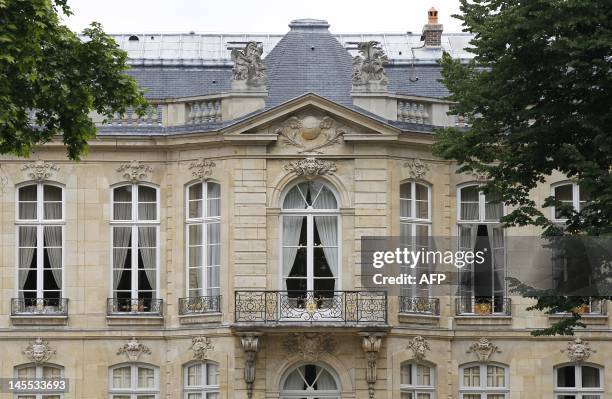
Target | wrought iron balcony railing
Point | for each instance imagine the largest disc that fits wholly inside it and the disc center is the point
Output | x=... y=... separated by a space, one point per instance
x=146 y=307
x=483 y=306
x=200 y=304
x=350 y=307
x=39 y=307
x=594 y=307
x=419 y=305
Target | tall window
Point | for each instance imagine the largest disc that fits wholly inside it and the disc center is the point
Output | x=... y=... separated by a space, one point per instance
x=483 y=381
x=201 y=381
x=415 y=230
x=310 y=241
x=40 y=219
x=482 y=286
x=203 y=237
x=579 y=382
x=133 y=381
x=417 y=381
x=310 y=381
x=568 y=194
x=39 y=371
x=135 y=229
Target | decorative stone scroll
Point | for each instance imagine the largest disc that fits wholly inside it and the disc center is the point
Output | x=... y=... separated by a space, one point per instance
x=200 y=347
x=578 y=350
x=134 y=171
x=368 y=66
x=201 y=169
x=249 y=342
x=310 y=345
x=133 y=350
x=249 y=68
x=40 y=170
x=39 y=351
x=419 y=347
x=417 y=169
x=479 y=176
x=310 y=167
x=310 y=134
x=371 y=343
x=483 y=349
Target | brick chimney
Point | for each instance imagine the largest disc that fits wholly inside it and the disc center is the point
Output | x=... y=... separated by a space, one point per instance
x=432 y=31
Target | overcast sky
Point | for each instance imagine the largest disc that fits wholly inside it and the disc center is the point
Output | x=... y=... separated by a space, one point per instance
x=255 y=16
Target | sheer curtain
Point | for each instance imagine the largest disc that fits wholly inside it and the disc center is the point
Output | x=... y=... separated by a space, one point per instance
x=213 y=260
x=496 y=240
x=292 y=227
x=52 y=202
x=122 y=237
x=327 y=227
x=147 y=203
x=295 y=381
x=53 y=246
x=325 y=382
x=27 y=202
x=195 y=258
x=27 y=247
x=469 y=203
x=147 y=244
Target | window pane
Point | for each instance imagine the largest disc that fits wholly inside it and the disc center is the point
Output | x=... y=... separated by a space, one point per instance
x=213 y=374
x=51 y=372
x=496 y=376
x=27 y=202
x=566 y=377
x=406 y=374
x=325 y=199
x=494 y=208
x=195 y=192
x=294 y=199
x=194 y=396
x=406 y=200
x=52 y=202
x=423 y=375
x=147 y=203
x=469 y=203
x=406 y=395
x=563 y=196
x=471 y=376
x=213 y=205
x=122 y=206
x=121 y=377
x=423 y=395
x=146 y=378
x=28 y=193
x=194 y=375
x=590 y=377
x=52 y=193
x=26 y=372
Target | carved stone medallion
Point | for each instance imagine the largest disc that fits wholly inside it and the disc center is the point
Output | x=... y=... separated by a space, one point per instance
x=417 y=169
x=310 y=345
x=310 y=134
x=40 y=170
x=202 y=168
x=311 y=167
x=39 y=351
x=133 y=350
x=419 y=347
x=578 y=350
x=134 y=171
x=483 y=349
x=200 y=347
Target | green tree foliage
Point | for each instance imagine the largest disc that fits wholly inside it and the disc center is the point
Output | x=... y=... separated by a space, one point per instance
x=538 y=97
x=50 y=80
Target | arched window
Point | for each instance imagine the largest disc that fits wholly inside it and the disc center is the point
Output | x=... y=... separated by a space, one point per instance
x=570 y=195
x=417 y=381
x=40 y=232
x=483 y=381
x=133 y=381
x=579 y=381
x=47 y=372
x=482 y=288
x=201 y=381
x=415 y=232
x=204 y=239
x=310 y=381
x=310 y=240
x=135 y=230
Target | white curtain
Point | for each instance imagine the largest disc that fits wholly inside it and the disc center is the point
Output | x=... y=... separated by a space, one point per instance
x=122 y=237
x=496 y=240
x=469 y=203
x=292 y=228
x=27 y=238
x=325 y=382
x=147 y=203
x=494 y=209
x=147 y=244
x=325 y=198
x=122 y=207
x=27 y=210
x=295 y=381
x=467 y=241
x=53 y=246
x=214 y=194
x=327 y=227
x=213 y=260
x=52 y=202
x=195 y=257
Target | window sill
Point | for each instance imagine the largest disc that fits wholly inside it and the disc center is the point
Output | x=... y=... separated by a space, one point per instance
x=200 y=318
x=39 y=320
x=588 y=319
x=134 y=320
x=488 y=320
x=418 y=318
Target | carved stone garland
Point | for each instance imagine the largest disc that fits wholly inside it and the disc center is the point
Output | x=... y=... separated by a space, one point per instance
x=371 y=343
x=200 y=347
x=133 y=350
x=249 y=344
x=578 y=350
x=419 y=347
x=310 y=167
x=201 y=169
x=483 y=349
x=310 y=134
x=40 y=170
x=417 y=169
x=310 y=345
x=38 y=351
x=134 y=171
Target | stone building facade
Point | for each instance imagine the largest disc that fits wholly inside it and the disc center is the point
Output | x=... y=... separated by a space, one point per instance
x=211 y=249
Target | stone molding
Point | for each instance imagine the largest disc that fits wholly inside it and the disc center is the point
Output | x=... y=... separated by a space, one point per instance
x=371 y=343
x=250 y=346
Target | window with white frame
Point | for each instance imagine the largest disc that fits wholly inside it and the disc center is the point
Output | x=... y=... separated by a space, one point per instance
x=310 y=239
x=135 y=231
x=201 y=381
x=482 y=287
x=40 y=232
x=310 y=381
x=415 y=230
x=483 y=381
x=579 y=381
x=204 y=239
x=568 y=195
x=39 y=371
x=133 y=381
x=417 y=381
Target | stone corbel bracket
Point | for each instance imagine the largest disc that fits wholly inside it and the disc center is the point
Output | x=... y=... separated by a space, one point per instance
x=250 y=346
x=371 y=343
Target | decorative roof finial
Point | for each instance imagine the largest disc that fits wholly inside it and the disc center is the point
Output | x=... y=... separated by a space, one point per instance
x=249 y=71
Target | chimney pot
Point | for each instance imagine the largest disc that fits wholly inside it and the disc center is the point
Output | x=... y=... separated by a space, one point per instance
x=432 y=16
x=432 y=31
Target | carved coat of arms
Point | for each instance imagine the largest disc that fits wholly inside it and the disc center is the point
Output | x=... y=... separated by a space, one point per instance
x=310 y=134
